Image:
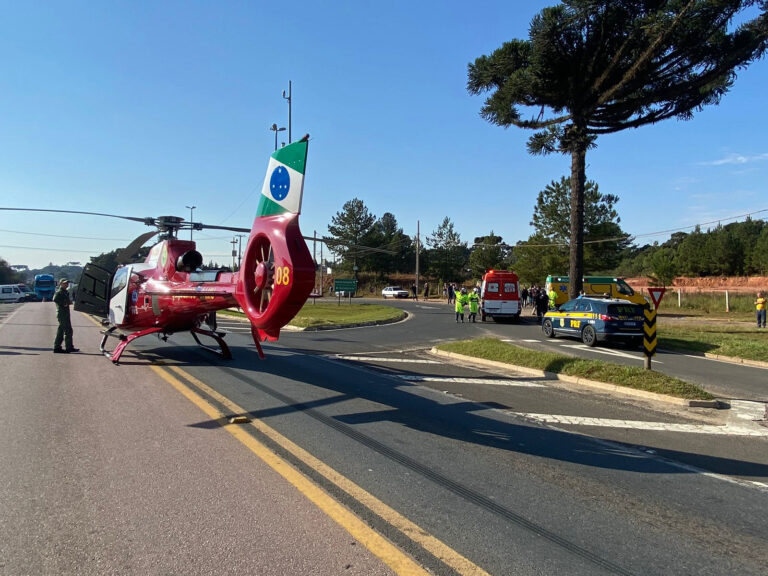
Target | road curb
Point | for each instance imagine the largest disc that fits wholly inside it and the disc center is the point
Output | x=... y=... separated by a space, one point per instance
x=603 y=386
x=736 y=360
x=291 y=328
x=400 y=318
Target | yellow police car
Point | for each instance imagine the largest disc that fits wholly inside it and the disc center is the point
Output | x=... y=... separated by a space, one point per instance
x=596 y=320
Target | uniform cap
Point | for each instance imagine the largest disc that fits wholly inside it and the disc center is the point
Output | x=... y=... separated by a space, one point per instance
x=63 y=281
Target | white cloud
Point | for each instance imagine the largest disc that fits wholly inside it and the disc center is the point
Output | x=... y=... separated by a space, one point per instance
x=737 y=159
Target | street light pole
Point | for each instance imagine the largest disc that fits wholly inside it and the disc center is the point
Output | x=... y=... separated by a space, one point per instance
x=289 y=109
x=275 y=129
x=191 y=211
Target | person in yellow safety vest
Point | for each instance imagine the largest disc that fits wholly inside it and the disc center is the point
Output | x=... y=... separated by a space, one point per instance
x=461 y=300
x=760 y=305
x=474 y=304
x=552 y=298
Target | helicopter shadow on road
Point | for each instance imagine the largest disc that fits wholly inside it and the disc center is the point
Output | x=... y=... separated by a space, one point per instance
x=463 y=421
x=22 y=350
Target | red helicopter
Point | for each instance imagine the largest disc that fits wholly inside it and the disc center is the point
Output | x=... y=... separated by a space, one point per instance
x=166 y=294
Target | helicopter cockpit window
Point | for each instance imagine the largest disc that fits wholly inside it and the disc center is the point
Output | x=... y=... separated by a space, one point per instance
x=119 y=281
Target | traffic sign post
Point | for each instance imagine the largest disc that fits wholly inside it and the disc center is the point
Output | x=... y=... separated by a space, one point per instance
x=345 y=285
x=649 y=338
x=649 y=325
x=656 y=295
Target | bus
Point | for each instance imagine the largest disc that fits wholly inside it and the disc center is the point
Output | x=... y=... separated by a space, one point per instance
x=44 y=286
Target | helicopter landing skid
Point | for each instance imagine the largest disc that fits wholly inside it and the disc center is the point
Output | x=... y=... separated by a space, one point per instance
x=223 y=348
x=124 y=341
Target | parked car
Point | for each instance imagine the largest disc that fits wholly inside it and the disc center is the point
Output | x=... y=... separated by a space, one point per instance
x=10 y=293
x=27 y=294
x=394 y=292
x=596 y=320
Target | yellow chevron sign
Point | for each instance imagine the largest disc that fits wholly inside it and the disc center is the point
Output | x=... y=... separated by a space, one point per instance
x=649 y=328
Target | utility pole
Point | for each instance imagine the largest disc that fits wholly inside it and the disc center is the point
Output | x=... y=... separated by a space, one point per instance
x=234 y=252
x=314 y=256
x=239 y=249
x=289 y=109
x=417 y=257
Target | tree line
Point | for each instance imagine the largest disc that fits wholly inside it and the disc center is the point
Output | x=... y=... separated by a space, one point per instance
x=378 y=246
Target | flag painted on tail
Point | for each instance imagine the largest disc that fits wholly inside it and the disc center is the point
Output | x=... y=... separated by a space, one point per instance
x=284 y=182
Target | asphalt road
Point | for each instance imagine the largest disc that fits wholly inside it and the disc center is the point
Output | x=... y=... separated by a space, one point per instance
x=119 y=470
x=436 y=324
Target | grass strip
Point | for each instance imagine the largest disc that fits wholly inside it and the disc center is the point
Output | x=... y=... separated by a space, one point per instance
x=629 y=376
x=329 y=314
x=740 y=341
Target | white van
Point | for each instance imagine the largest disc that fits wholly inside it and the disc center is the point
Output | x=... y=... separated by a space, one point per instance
x=10 y=293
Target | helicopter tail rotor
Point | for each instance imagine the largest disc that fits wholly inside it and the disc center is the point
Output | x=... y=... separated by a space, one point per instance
x=278 y=273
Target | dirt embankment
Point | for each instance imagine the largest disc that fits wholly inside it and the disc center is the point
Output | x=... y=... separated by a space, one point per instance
x=709 y=284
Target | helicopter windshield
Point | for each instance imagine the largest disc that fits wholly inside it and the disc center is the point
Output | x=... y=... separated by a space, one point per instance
x=119 y=281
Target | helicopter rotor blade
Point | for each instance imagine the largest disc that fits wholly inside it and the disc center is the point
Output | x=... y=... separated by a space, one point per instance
x=201 y=226
x=147 y=221
x=127 y=254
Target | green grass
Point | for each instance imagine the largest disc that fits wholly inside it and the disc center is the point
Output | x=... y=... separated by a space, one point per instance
x=736 y=339
x=335 y=314
x=629 y=376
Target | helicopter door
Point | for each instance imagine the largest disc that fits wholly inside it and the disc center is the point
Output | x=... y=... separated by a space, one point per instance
x=118 y=302
x=93 y=290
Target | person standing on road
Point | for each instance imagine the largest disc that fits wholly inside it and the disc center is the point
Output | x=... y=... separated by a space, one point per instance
x=552 y=298
x=64 y=332
x=760 y=303
x=413 y=291
x=461 y=301
x=542 y=303
x=474 y=304
x=426 y=290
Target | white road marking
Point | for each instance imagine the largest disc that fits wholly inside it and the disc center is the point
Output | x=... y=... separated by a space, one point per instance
x=727 y=430
x=584 y=347
x=396 y=360
x=492 y=381
x=747 y=410
x=606 y=351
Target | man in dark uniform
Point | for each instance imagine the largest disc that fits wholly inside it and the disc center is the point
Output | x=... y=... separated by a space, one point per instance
x=64 y=333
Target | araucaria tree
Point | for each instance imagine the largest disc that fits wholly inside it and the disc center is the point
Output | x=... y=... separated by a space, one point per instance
x=593 y=67
x=349 y=229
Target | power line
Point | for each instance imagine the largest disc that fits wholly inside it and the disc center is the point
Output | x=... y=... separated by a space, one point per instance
x=61 y=236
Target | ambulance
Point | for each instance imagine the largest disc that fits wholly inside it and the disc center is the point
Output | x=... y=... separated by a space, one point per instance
x=500 y=295
x=594 y=286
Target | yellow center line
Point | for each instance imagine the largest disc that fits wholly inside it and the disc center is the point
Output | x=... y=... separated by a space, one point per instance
x=379 y=546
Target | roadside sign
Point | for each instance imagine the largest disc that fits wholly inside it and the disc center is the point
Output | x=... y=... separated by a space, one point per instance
x=656 y=295
x=649 y=335
x=345 y=285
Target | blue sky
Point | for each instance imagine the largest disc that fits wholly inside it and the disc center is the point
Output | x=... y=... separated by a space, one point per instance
x=142 y=108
